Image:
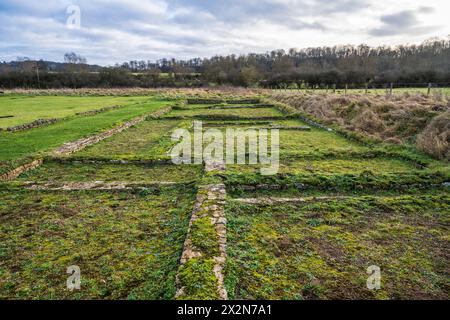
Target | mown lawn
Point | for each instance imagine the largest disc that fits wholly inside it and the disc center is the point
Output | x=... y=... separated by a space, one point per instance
x=147 y=140
x=126 y=244
x=15 y=146
x=25 y=109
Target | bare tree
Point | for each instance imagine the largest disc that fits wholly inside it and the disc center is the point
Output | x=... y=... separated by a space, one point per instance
x=73 y=58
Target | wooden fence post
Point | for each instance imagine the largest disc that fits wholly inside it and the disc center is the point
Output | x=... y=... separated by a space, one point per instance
x=346 y=88
x=429 y=89
x=391 y=88
x=334 y=88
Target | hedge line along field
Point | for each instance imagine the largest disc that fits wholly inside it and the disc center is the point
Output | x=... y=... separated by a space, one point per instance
x=140 y=227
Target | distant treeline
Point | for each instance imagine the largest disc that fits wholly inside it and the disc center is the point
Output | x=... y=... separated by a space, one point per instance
x=355 y=66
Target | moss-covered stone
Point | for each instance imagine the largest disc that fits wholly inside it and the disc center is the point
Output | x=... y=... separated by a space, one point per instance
x=197 y=278
x=204 y=237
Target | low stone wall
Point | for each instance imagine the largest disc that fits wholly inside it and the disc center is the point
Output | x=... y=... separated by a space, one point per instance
x=263 y=201
x=71 y=147
x=45 y=122
x=94 y=112
x=217 y=101
x=251 y=106
x=209 y=210
x=294 y=128
x=204 y=101
x=227 y=118
x=200 y=275
x=158 y=114
x=95 y=185
x=110 y=161
x=35 y=124
x=314 y=123
x=11 y=175
x=243 y=101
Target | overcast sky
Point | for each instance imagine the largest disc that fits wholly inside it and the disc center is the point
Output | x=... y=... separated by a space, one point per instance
x=120 y=30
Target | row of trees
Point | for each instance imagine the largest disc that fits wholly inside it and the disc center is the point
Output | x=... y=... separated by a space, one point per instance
x=326 y=66
x=357 y=65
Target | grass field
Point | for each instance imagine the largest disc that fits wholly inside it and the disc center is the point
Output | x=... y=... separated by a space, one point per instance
x=321 y=249
x=150 y=139
x=79 y=172
x=25 y=109
x=126 y=244
x=337 y=206
x=244 y=112
x=18 y=145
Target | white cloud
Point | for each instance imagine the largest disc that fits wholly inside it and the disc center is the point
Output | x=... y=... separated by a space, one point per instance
x=119 y=30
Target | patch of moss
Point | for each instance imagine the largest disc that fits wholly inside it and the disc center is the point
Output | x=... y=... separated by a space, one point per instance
x=67 y=172
x=321 y=249
x=126 y=244
x=338 y=182
x=204 y=237
x=198 y=279
x=146 y=140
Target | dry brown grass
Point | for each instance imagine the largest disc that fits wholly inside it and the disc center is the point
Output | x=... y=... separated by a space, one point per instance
x=435 y=139
x=404 y=118
x=183 y=93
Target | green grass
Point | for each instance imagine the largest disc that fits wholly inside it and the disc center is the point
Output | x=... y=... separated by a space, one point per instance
x=294 y=192
x=244 y=112
x=222 y=125
x=322 y=249
x=78 y=172
x=127 y=245
x=299 y=142
x=238 y=182
x=316 y=140
x=25 y=109
x=335 y=166
x=40 y=140
x=150 y=139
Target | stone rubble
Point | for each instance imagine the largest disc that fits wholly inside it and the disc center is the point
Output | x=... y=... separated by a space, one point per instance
x=210 y=203
x=11 y=175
